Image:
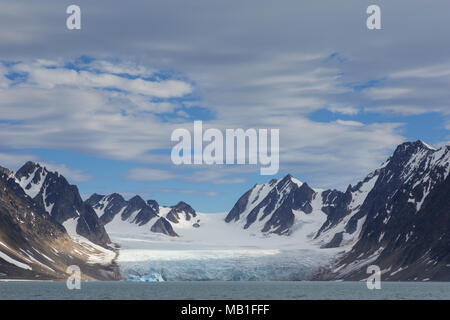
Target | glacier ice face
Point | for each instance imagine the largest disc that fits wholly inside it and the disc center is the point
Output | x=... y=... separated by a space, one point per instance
x=260 y=265
x=152 y=277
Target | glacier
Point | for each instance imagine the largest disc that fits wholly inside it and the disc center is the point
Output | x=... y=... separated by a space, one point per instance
x=217 y=251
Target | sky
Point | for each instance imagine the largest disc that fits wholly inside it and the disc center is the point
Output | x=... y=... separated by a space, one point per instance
x=99 y=104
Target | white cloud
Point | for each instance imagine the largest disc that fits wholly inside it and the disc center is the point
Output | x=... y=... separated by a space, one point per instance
x=433 y=71
x=203 y=174
x=120 y=67
x=148 y=174
x=349 y=123
x=52 y=77
x=66 y=109
x=187 y=191
x=71 y=174
x=387 y=93
x=405 y=110
x=347 y=110
x=14 y=161
x=61 y=108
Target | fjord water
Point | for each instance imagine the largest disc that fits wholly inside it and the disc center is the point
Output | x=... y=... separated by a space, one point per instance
x=217 y=290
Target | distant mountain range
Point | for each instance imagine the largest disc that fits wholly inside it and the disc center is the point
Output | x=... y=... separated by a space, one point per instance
x=117 y=214
x=396 y=218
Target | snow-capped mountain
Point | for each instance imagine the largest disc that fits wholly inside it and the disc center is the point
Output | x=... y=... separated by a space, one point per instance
x=397 y=217
x=137 y=215
x=404 y=218
x=34 y=245
x=61 y=201
x=273 y=207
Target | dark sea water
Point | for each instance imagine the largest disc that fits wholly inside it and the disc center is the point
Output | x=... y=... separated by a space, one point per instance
x=212 y=290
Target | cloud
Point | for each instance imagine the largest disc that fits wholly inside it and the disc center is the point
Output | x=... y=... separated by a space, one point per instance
x=196 y=174
x=56 y=107
x=186 y=191
x=14 y=161
x=350 y=123
x=120 y=67
x=72 y=174
x=265 y=68
x=347 y=110
x=147 y=174
x=49 y=78
x=433 y=71
x=386 y=93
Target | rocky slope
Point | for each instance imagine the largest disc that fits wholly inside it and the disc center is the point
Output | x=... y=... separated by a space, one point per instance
x=61 y=201
x=35 y=245
x=396 y=218
x=405 y=219
x=272 y=207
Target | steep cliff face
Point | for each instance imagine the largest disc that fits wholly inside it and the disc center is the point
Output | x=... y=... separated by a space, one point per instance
x=34 y=245
x=61 y=201
x=406 y=214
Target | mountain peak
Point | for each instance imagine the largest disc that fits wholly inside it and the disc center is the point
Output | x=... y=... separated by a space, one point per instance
x=415 y=145
x=5 y=171
x=290 y=178
x=426 y=145
x=137 y=200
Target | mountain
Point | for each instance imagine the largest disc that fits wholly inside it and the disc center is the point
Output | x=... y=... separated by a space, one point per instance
x=396 y=218
x=34 y=245
x=272 y=207
x=61 y=201
x=404 y=219
x=137 y=215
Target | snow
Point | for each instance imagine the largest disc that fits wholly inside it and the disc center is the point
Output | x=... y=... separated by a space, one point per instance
x=297 y=182
x=48 y=208
x=10 y=260
x=117 y=225
x=306 y=225
x=71 y=226
x=30 y=257
x=222 y=251
x=259 y=192
x=427 y=145
x=360 y=263
x=35 y=187
x=96 y=253
x=398 y=270
x=358 y=198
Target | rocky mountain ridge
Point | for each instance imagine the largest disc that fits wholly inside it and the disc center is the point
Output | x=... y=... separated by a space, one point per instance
x=398 y=217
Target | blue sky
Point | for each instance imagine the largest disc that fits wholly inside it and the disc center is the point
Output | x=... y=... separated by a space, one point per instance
x=99 y=104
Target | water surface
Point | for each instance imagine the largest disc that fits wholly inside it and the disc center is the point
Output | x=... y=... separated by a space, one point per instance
x=224 y=290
